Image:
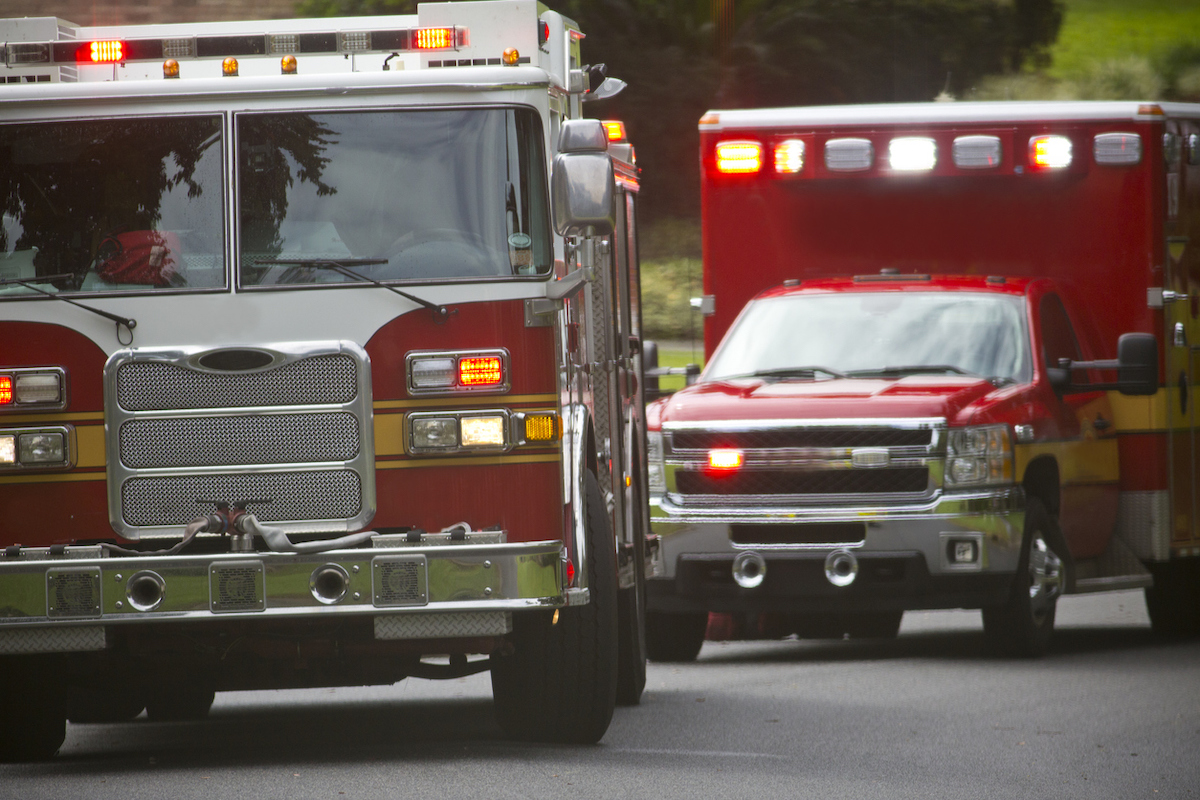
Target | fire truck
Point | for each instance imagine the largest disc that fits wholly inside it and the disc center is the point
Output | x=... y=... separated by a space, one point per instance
x=320 y=366
x=952 y=363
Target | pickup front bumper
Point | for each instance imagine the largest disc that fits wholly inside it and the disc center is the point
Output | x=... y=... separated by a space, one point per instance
x=64 y=599
x=959 y=550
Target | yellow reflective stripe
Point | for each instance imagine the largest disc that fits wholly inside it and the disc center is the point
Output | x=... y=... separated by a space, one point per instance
x=476 y=461
x=1139 y=414
x=89 y=439
x=389 y=434
x=451 y=401
x=1087 y=461
x=51 y=419
x=53 y=477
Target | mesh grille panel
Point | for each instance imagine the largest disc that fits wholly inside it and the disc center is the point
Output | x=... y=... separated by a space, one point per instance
x=236 y=587
x=295 y=496
x=156 y=385
x=805 y=437
x=399 y=582
x=768 y=482
x=73 y=593
x=264 y=439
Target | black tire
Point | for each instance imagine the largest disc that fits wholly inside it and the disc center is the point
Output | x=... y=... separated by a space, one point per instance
x=1023 y=625
x=675 y=637
x=33 y=721
x=92 y=705
x=1173 y=602
x=181 y=704
x=631 y=636
x=559 y=684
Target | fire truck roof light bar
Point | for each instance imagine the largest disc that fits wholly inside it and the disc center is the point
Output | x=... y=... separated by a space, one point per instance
x=108 y=51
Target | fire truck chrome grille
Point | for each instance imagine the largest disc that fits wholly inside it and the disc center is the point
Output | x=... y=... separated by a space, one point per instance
x=260 y=439
x=294 y=496
x=803 y=533
x=158 y=386
x=779 y=482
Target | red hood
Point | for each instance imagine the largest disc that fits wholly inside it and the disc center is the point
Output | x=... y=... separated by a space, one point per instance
x=851 y=398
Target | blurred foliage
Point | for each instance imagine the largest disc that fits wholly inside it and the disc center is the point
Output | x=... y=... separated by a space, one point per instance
x=667 y=288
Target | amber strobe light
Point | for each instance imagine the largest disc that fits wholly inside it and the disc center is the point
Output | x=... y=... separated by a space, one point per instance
x=6 y=390
x=739 y=157
x=480 y=371
x=542 y=428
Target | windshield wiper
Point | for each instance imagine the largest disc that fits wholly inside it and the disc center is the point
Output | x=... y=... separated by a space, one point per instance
x=917 y=369
x=788 y=372
x=128 y=322
x=342 y=266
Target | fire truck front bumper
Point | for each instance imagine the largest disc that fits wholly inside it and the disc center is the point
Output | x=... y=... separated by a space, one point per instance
x=64 y=599
x=958 y=551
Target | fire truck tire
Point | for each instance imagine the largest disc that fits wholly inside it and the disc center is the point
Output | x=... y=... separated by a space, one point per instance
x=92 y=705
x=1023 y=625
x=180 y=704
x=675 y=637
x=1173 y=602
x=559 y=684
x=631 y=637
x=33 y=722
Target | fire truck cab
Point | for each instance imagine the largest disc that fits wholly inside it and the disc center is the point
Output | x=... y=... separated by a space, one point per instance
x=952 y=363
x=321 y=367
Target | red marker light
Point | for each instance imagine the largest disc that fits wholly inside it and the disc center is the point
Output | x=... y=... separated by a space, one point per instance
x=739 y=157
x=1050 y=152
x=480 y=371
x=102 y=52
x=433 y=38
x=724 y=459
x=6 y=390
x=615 y=130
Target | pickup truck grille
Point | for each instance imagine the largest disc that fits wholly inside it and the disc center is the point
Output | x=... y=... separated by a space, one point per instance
x=294 y=433
x=792 y=462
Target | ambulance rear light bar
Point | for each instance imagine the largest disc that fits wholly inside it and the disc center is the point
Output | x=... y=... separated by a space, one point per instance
x=977 y=152
x=114 y=51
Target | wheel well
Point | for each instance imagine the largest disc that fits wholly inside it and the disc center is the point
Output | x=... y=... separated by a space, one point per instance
x=1041 y=481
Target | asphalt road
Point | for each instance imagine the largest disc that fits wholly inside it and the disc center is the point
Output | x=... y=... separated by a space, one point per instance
x=1110 y=713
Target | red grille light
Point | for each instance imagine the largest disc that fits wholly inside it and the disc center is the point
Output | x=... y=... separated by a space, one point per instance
x=480 y=371
x=6 y=390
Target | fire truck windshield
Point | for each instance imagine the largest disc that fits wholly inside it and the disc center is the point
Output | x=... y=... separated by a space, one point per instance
x=877 y=334
x=110 y=205
x=403 y=194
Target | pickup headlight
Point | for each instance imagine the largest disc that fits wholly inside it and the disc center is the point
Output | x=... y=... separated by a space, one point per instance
x=655 y=466
x=979 y=455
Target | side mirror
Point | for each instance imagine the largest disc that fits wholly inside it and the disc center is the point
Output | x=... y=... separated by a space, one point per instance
x=1137 y=364
x=582 y=183
x=1136 y=367
x=650 y=370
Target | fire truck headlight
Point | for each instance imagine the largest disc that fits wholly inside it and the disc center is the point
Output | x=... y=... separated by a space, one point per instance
x=978 y=455
x=435 y=432
x=482 y=431
x=8 y=449
x=432 y=373
x=42 y=448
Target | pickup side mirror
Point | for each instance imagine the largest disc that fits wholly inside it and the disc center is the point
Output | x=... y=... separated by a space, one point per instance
x=650 y=370
x=582 y=183
x=1136 y=367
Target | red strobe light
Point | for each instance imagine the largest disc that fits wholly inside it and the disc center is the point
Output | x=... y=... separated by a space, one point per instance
x=105 y=52
x=480 y=371
x=6 y=390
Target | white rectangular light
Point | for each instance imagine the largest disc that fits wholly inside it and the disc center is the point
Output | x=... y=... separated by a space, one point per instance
x=1117 y=148
x=849 y=155
x=482 y=431
x=912 y=154
x=42 y=448
x=430 y=373
x=435 y=432
x=8 y=449
x=977 y=152
x=37 y=388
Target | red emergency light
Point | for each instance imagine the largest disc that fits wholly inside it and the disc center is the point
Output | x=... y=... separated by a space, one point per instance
x=1050 y=152
x=480 y=371
x=615 y=129
x=434 y=39
x=724 y=459
x=739 y=157
x=101 y=52
x=6 y=390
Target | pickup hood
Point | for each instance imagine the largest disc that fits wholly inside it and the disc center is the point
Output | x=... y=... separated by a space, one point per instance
x=846 y=398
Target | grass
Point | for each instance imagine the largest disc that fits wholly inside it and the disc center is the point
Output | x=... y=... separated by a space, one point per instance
x=1102 y=30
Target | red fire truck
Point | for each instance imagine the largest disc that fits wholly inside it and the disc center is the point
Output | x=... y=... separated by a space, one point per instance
x=952 y=357
x=320 y=367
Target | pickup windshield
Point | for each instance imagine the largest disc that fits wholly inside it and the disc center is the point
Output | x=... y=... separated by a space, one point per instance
x=111 y=205
x=414 y=195
x=877 y=334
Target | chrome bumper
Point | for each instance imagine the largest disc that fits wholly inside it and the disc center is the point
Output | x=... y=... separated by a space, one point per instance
x=993 y=519
x=62 y=600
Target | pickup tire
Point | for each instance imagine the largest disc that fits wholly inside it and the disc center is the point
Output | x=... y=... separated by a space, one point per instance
x=631 y=637
x=559 y=684
x=675 y=637
x=1023 y=625
x=1173 y=602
